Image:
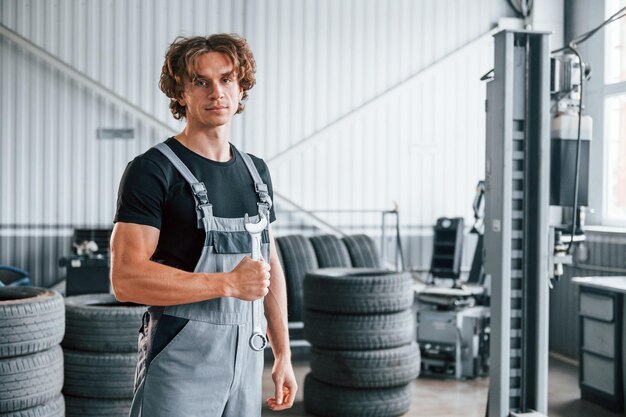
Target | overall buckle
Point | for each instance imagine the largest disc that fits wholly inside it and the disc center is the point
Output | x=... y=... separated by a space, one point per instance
x=199 y=190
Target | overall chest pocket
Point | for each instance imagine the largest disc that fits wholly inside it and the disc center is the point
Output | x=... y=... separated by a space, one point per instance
x=229 y=243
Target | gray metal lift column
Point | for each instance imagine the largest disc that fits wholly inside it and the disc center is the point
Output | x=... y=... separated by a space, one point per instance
x=516 y=222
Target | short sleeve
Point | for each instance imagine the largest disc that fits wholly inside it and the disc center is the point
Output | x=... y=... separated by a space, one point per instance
x=142 y=193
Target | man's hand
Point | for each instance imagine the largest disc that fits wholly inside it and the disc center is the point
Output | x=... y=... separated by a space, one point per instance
x=249 y=281
x=286 y=386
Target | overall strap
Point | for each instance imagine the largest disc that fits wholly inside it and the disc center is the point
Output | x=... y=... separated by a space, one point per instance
x=204 y=209
x=261 y=188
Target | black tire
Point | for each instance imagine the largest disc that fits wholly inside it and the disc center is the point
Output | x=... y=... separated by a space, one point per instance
x=358 y=332
x=99 y=375
x=100 y=323
x=53 y=408
x=366 y=368
x=363 y=252
x=31 y=320
x=91 y=407
x=330 y=251
x=357 y=291
x=326 y=400
x=298 y=259
x=31 y=380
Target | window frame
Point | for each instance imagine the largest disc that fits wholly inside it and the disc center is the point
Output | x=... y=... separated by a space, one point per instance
x=609 y=90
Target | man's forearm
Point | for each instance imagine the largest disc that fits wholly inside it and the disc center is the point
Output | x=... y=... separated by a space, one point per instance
x=276 y=308
x=277 y=328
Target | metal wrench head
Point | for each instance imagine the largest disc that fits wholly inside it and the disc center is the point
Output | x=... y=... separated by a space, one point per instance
x=255 y=228
x=257 y=341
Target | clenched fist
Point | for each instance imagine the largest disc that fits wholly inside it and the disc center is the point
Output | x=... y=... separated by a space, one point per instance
x=250 y=280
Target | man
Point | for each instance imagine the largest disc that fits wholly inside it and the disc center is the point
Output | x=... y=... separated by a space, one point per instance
x=179 y=245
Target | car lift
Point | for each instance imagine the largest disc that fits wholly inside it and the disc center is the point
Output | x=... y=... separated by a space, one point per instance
x=517 y=233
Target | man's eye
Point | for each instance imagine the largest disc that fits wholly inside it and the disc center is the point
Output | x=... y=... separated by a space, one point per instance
x=227 y=80
x=201 y=83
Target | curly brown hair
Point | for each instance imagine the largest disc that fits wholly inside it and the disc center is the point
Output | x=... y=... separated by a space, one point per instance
x=180 y=65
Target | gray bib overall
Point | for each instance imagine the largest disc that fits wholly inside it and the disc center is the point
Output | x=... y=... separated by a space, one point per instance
x=205 y=367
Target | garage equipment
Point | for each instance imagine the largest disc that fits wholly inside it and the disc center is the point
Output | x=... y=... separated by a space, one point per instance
x=526 y=170
x=455 y=342
x=447 y=248
x=569 y=155
x=89 y=264
x=516 y=222
x=384 y=243
x=452 y=333
x=258 y=340
x=477 y=271
x=86 y=274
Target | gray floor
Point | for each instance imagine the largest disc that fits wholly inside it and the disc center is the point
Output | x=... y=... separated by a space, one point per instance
x=447 y=398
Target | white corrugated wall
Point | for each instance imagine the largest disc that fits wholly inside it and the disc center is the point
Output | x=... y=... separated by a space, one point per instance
x=358 y=104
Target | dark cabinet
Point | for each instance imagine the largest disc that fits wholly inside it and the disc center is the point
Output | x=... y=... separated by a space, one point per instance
x=600 y=372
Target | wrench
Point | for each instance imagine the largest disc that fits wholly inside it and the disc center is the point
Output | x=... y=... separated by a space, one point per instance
x=258 y=341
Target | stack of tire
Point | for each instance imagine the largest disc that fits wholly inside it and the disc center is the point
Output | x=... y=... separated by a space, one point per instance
x=363 y=356
x=32 y=322
x=100 y=350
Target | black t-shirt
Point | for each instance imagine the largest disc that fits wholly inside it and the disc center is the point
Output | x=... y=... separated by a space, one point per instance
x=152 y=192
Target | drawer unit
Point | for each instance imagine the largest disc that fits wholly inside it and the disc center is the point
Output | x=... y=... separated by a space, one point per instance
x=597 y=305
x=600 y=373
x=598 y=337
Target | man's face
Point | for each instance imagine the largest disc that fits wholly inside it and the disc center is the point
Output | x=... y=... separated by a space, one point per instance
x=213 y=98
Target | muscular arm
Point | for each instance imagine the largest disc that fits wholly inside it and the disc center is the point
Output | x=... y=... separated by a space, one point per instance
x=276 y=306
x=135 y=278
x=278 y=333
